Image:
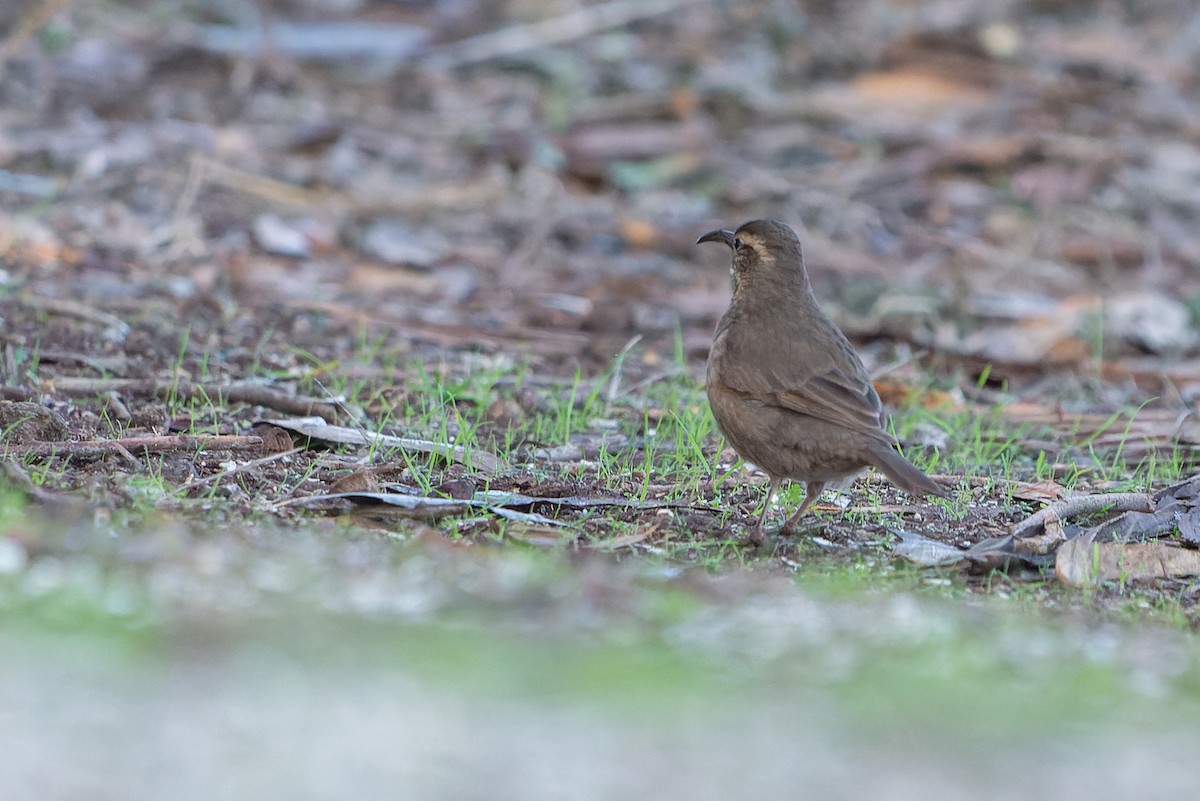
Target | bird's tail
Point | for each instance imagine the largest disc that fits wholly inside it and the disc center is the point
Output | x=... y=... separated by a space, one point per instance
x=902 y=474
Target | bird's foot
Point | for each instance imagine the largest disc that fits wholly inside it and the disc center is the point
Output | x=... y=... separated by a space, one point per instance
x=761 y=545
x=799 y=525
x=754 y=538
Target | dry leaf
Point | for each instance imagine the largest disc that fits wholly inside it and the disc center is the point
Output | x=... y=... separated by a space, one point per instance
x=898 y=393
x=917 y=89
x=921 y=550
x=274 y=438
x=1045 y=490
x=1050 y=537
x=1081 y=562
x=316 y=428
x=638 y=233
x=358 y=481
x=1189 y=528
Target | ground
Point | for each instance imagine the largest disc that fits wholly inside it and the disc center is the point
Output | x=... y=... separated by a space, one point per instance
x=470 y=227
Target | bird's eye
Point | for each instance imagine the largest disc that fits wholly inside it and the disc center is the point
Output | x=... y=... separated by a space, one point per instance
x=737 y=243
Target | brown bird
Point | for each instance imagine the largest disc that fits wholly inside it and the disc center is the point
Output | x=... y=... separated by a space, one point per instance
x=785 y=386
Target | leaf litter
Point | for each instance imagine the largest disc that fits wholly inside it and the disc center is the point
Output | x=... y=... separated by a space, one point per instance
x=208 y=259
x=450 y=262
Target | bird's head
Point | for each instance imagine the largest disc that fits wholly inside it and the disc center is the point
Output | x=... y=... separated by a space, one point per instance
x=764 y=251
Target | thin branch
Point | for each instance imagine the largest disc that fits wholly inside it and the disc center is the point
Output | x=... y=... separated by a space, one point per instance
x=217 y=478
x=577 y=24
x=251 y=394
x=1077 y=505
x=97 y=448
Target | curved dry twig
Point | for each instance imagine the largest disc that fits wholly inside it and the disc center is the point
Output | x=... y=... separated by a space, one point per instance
x=1076 y=505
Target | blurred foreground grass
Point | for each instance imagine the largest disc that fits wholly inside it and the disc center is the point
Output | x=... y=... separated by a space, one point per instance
x=252 y=663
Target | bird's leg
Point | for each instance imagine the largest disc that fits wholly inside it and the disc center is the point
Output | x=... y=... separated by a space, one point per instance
x=812 y=491
x=756 y=536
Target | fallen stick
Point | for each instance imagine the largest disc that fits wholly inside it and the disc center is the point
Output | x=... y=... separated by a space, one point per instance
x=558 y=30
x=251 y=394
x=217 y=478
x=1077 y=505
x=96 y=448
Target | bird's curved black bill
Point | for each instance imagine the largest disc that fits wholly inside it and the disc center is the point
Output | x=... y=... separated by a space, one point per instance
x=719 y=235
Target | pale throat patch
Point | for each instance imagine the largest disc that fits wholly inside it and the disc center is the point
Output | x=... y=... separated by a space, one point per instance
x=763 y=256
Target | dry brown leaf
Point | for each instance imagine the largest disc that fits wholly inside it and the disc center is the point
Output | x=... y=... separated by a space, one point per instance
x=1088 y=249
x=1163 y=428
x=1108 y=51
x=1083 y=563
x=1029 y=333
x=683 y=101
x=896 y=393
x=40 y=253
x=638 y=233
x=1152 y=371
x=986 y=153
x=358 y=481
x=1038 y=491
x=918 y=89
x=380 y=278
x=274 y=438
x=1032 y=342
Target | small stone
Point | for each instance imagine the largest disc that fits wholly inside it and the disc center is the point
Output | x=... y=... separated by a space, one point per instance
x=276 y=235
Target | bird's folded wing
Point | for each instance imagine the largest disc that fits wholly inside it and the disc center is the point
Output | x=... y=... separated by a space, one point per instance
x=837 y=398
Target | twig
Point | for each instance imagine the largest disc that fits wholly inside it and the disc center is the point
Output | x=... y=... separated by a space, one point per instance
x=251 y=394
x=614 y=386
x=124 y=453
x=534 y=340
x=320 y=430
x=116 y=328
x=116 y=406
x=270 y=189
x=538 y=227
x=18 y=478
x=224 y=474
x=1077 y=505
x=654 y=378
x=492 y=500
x=180 y=233
x=96 y=448
x=435 y=196
x=555 y=31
